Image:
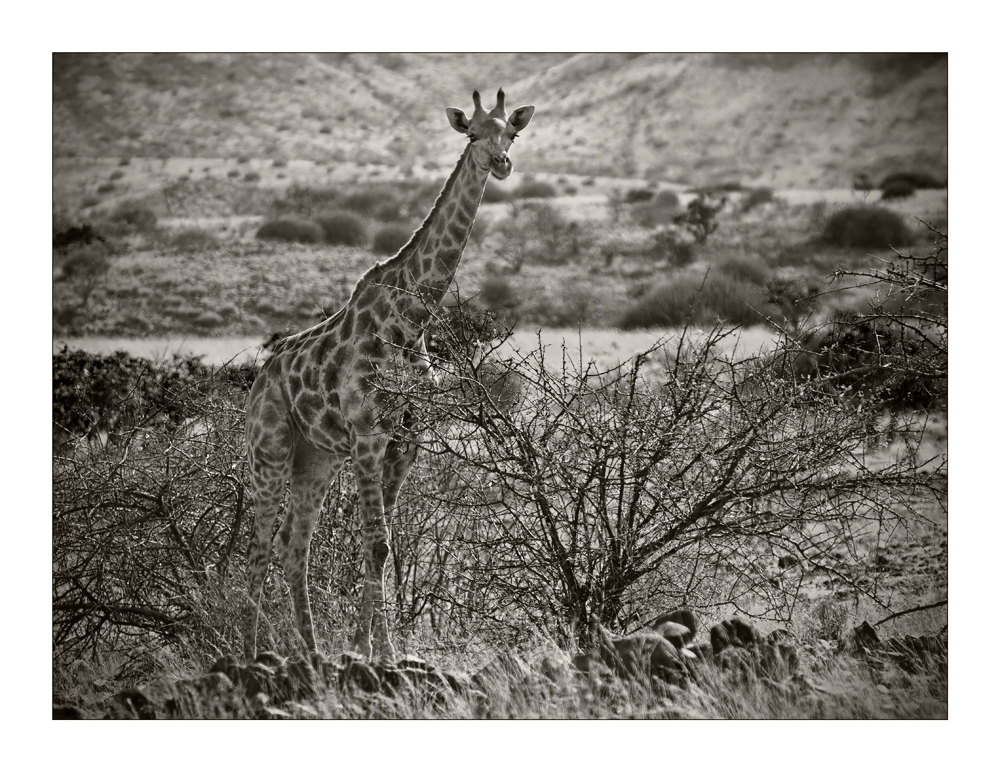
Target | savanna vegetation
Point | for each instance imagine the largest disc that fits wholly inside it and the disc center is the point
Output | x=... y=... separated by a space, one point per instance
x=551 y=494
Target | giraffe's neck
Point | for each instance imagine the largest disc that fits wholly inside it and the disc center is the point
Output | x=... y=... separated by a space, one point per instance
x=427 y=263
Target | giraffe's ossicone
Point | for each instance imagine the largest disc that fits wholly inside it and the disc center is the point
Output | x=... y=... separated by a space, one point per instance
x=314 y=403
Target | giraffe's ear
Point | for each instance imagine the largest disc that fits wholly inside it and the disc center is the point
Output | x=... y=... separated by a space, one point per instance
x=520 y=117
x=458 y=120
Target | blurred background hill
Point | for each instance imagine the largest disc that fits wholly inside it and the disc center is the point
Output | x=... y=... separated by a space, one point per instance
x=784 y=120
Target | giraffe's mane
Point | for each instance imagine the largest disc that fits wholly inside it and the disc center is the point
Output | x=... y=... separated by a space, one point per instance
x=374 y=274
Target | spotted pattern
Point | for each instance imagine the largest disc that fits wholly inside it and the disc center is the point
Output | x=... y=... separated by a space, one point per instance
x=313 y=404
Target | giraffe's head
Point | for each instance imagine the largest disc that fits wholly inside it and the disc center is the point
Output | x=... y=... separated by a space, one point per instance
x=491 y=133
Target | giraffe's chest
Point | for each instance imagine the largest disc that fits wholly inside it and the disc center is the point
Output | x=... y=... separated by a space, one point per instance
x=335 y=389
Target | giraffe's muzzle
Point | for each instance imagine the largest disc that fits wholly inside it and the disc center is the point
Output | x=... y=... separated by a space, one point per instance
x=501 y=166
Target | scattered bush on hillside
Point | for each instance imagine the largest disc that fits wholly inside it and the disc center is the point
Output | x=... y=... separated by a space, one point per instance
x=494 y=194
x=699 y=217
x=73 y=235
x=233 y=173
x=661 y=210
x=389 y=238
x=89 y=201
x=867 y=226
x=192 y=239
x=106 y=187
x=498 y=296
x=755 y=198
x=279 y=163
x=304 y=201
x=251 y=177
x=745 y=268
x=291 y=229
x=638 y=195
x=134 y=217
x=535 y=189
x=243 y=159
x=696 y=300
x=365 y=201
x=124 y=161
x=898 y=189
x=343 y=228
x=673 y=244
x=117 y=174
x=919 y=180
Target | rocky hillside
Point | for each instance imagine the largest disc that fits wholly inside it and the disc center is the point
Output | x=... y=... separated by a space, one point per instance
x=785 y=120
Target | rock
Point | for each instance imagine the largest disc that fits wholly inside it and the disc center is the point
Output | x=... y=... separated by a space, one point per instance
x=734 y=632
x=358 y=673
x=683 y=617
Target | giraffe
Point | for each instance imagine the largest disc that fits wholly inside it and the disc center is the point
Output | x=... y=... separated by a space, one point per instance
x=314 y=403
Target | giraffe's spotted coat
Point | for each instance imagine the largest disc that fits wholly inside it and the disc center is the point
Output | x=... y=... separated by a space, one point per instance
x=314 y=404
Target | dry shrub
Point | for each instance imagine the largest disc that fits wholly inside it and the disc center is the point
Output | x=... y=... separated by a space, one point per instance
x=291 y=229
x=390 y=238
x=344 y=228
x=690 y=299
x=867 y=226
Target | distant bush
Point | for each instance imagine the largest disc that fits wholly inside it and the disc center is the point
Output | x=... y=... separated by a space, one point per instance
x=638 y=195
x=365 y=201
x=134 y=217
x=124 y=161
x=291 y=229
x=117 y=174
x=106 y=187
x=667 y=199
x=389 y=238
x=747 y=269
x=497 y=294
x=898 y=189
x=675 y=244
x=494 y=194
x=233 y=173
x=279 y=163
x=866 y=226
x=89 y=201
x=919 y=180
x=755 y=198
x=243 y=159
x=535 y=189
x=659 y=210
x=343 y=228
x=208 y=319
x=699 y=301
x=251 y=177
x=325 y=130
x=86 y=261
x=74 y=235
x=306 y=201
x=719 y=188
x=191 y=239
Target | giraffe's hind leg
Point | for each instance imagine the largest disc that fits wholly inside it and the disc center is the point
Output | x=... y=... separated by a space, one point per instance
x=271 y=440
x=312 y=471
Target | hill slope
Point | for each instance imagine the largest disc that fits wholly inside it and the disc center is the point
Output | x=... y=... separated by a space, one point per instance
x=797 y=120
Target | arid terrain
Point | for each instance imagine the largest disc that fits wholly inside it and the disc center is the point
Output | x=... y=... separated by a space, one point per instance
x=688 y=243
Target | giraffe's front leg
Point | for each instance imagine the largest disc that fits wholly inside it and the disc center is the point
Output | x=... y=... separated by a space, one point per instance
x=369 y=453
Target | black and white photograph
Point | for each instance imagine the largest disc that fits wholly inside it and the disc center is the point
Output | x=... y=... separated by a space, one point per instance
x=538 y=386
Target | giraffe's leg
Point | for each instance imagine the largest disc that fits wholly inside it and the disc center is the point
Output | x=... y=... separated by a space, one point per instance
x=400 y=454
x=368 y=455
x=312 y=471
x=270 y=444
